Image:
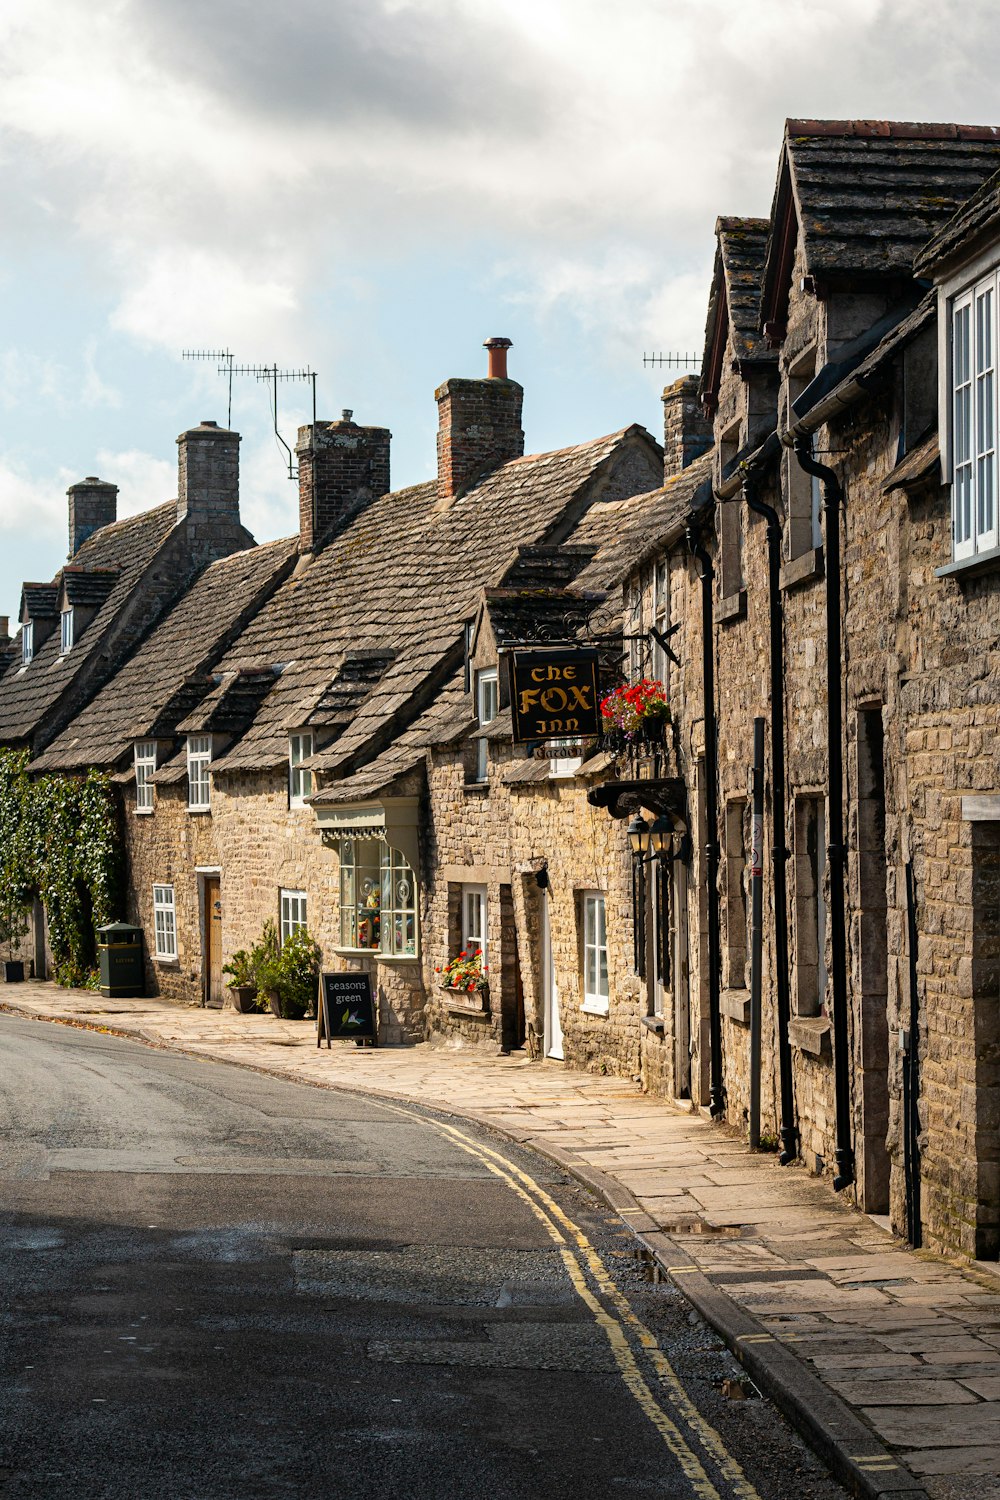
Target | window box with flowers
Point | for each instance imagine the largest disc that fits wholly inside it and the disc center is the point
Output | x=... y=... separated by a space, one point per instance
x=635 y=718
x=464 y=977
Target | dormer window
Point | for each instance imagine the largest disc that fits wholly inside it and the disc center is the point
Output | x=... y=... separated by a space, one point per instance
x=199 y=760
x=27 y=642
x=487 y=708
x=145 y=766
x=300 y=782
x=66 y=631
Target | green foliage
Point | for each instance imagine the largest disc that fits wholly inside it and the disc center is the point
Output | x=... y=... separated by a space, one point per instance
x=59 y=840
x=290 y=970
x=241 y=971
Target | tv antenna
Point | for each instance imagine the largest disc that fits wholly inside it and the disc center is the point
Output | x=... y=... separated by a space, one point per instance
x=270 y=373
x=671 y=359
x=224 y=369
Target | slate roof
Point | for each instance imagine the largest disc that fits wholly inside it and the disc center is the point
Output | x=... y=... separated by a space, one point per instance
x=734 y=301
x=868 y=194
x=921 y=463
x=401 y=580
x=39 y=601
x=443 y=722
x=27 y=694
x=169 y=675
x=639 y=527
x=975 y=223
x=87 y=587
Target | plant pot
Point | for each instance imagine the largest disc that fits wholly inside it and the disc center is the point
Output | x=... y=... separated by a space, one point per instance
x=243 y=998
x=274 y=1003
x=13 y=970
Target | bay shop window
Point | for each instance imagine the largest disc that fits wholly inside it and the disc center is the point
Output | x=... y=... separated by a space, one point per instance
x=378 y=845
x=378 y=898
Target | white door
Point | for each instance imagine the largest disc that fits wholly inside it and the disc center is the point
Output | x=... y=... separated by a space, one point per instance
x=553 y=1028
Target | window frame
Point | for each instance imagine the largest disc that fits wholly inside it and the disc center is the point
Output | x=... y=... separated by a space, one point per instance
x=298 y=791
x=166 y=909
x=660 y=600
x=971 y=393
x=811 y=916
x=144 y=762
x=67 y=639
x=293 y=910
x=476 y=896
x=485 y=678
x=27 y=642
x=594 y=920
x=387 y=873
x=199 y=762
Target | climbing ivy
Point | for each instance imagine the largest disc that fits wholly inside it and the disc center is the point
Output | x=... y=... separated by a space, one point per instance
x=59 y=840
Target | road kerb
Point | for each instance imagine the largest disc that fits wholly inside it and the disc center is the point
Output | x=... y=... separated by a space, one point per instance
x=846 y=1444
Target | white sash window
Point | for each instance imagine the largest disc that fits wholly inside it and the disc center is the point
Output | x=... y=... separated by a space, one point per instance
x=164 y=922
x=974 y=419
x=145 y=766
x=199 y=759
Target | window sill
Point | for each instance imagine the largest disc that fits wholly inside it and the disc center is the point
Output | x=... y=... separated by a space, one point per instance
x=971 y=567
x=476 y=788
x=144 y=812
x=733 y=607
x=166 y=963
x=805 y=568
x=736 y=1005
x=811 y=1034
x=199 y=812
x=591 y=1008
x=376 y=953
x=654 y=1024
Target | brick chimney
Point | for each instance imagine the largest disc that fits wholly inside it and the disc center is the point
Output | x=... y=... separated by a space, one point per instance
x=93 y=503
x=479 y=425
x=208 y=475
x=342 y=468
x=687 y=432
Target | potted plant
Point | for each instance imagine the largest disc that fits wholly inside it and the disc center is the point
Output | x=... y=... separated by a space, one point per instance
x=287 y=973
x=13 y=926
x=264 y=968
x=298 y=975
x=242 y=981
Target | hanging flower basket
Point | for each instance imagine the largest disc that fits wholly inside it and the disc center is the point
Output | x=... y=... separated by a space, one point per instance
x=636 y=717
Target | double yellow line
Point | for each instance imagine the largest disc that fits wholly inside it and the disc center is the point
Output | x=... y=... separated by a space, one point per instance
x=580 y=1256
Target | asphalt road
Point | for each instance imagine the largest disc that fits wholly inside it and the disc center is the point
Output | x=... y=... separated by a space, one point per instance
x=222 y=1286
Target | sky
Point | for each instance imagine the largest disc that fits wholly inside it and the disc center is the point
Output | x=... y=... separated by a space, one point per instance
x=371 y=188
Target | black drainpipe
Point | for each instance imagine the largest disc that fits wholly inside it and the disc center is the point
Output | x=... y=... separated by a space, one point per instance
x=707 y=577
x=779 y=851
x=833 y=499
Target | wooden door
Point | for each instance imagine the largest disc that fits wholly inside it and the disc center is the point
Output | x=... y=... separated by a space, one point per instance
x=213 y=942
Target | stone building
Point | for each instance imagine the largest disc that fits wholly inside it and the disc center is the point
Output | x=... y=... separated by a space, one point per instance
x=320 y=732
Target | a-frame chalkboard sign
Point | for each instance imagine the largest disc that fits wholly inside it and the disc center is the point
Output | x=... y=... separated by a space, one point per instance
x=346 y=1009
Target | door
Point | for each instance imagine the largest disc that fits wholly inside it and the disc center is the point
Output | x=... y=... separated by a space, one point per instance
x=682 y=998
x=550 y=993
x=212 y=923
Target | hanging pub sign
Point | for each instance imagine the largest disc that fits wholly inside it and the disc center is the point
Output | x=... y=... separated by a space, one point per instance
x=346 y=1008
x=554 y=694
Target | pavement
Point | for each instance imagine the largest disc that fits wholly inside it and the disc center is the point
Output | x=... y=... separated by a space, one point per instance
x=885 y=1358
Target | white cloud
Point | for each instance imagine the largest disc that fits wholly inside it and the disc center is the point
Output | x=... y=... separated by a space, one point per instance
x=143 y=481
x=28 y=504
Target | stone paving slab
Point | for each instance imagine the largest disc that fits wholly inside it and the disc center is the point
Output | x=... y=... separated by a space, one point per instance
x=899 y=1350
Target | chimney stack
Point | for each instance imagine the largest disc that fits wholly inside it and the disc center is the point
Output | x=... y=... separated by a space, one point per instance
x=93 y=503
x=208 y=475
x=687 y=432
x=342 y=468
x=479 y=425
